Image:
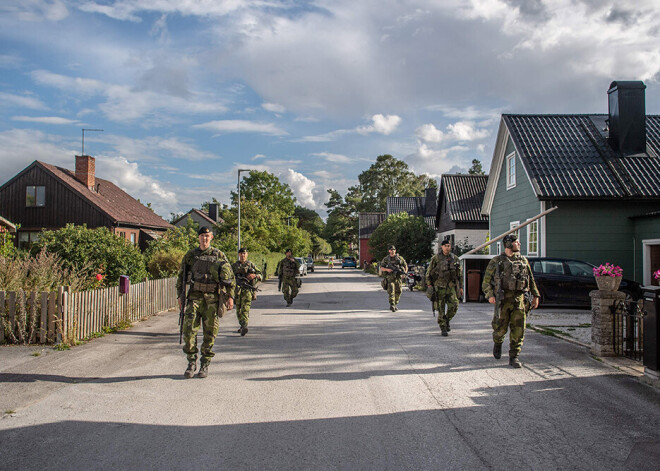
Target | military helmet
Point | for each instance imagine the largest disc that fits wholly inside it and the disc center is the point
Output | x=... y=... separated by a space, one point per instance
x=509 y=239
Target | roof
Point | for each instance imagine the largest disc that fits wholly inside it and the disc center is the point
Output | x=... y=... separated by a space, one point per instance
x=5 y=223
x=200 y=213
x=464 y=195
x=568 y=156
x=413 y=205
x=368 y=222
x=110 y=199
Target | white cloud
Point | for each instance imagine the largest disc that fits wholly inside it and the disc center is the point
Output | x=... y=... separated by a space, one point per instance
x=381 y=124
x=21 y=101
x=238 y=125
x=45 y=119
x=258 y=157
x=19 y=147
x=36 y=10
x=459 y=131
x=273 y=107
x=330 y=157
x=154 y=148
x=302 y=187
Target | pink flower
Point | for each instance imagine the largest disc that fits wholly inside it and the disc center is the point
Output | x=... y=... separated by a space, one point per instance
x=608 y=270
x=99 y=277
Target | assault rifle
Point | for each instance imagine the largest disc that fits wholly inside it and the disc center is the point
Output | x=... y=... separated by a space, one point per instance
x=499 y=292
x=183 y=302
x=396 y=269
x=244 y=283
x=434 y=299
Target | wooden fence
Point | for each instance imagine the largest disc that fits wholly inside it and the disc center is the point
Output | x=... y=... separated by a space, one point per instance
x=64 y=316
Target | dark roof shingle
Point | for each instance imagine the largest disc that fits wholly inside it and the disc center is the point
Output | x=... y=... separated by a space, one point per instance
x=568 y=156
x=464 y=195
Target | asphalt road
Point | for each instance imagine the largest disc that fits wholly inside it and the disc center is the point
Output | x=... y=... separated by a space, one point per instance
x=337 y=381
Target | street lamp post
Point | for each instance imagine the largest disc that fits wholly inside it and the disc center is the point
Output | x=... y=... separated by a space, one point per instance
x=239 y=205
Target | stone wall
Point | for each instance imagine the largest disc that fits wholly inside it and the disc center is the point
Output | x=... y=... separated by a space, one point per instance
x=602 y=320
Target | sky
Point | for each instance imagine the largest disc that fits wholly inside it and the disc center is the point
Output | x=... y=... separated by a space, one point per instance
x=189 y=91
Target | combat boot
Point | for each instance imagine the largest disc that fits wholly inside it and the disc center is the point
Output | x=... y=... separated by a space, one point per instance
x=443 y=331
x=497 y=350
x=203 y=370
x=190 y=371
x=514 y=362
x=392 y=308
x=244 y=330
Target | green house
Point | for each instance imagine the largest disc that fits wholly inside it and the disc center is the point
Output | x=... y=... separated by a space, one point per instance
x=601 y=171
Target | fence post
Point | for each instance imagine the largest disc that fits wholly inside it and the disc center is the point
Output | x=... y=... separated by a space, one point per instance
x=43 y=324
x=12 y=313
x=52 y=309
x=602 y=321
x=2 y=316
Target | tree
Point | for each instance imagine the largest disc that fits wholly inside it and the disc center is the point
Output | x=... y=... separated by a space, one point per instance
x=388 y=176
x=267 y=190
x=476 y=168
x=341 y=226
x=309 y=220
x=107 y=253
x=411 y=235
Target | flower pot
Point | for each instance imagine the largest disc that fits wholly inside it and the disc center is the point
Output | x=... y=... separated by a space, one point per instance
x=608 y=283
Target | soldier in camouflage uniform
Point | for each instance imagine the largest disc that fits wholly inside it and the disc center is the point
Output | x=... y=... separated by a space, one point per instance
x=247 y=274
x=288 y=268
x=516 y=281
x=210 y=285
x=392 y=276
x=444 y=278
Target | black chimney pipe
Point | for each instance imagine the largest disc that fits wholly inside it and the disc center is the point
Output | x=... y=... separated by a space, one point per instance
x=627 y=116
x=213 y=211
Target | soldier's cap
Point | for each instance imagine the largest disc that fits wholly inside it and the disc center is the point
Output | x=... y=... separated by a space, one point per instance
x=446 y=242
x=288 y=250
x=391 y=247
x=203 y=230
x=242 y=250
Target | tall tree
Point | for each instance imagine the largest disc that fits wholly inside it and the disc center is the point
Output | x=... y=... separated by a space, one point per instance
x=267 y=190
x=476 y=168
x=388 y=176
x=341 y=226
x=309 y=220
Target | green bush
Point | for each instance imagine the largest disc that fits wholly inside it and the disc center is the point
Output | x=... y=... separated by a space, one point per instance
x=165 y=263
x=100 y=249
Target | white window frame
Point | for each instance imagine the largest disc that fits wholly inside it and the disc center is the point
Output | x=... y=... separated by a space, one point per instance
x=533 y=225
x=510 y=170
x=513 y=224
x=499 y=248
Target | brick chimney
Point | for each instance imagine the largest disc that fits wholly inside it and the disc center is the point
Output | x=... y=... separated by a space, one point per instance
x=85 y=166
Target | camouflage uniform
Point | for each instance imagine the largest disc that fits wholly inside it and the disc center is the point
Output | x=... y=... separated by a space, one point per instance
x=243 y=298
x=211 y=283
x=394 y=281
x=516 y=279
x=445 y=275
x=288 y=268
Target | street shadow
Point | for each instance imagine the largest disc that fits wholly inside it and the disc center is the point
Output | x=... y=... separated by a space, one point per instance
x=31 y=378
x=547 y=424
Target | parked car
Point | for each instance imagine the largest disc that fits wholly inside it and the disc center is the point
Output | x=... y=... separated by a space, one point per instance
x=349 y=262
x=310 y=264
x=567 y=281
x=303 y=266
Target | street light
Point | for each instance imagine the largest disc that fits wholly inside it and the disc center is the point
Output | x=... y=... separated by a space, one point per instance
x=239 y=205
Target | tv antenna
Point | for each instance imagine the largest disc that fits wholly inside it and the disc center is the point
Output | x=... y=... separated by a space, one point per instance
x=83 y=137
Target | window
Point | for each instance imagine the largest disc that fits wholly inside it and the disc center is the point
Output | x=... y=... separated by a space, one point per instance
x=579 y=268
x=133 y=238
x=513 y=224
x=35 y=196
x=533 y=238
x=499 y=248
x=511 y=170
x=122 y=234
x=26 y=239
x=552 y=267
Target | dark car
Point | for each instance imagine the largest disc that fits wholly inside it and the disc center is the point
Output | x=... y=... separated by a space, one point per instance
x=349 y=262
x=567 y=281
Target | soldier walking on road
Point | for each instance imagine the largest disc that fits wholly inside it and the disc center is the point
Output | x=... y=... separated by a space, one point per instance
x=287 y=269
x=444 y=279
x=513 y=275
x=247 y=276
x=211 y=292
x=392 y=267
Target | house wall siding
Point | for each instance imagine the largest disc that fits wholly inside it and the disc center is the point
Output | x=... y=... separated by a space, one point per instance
x=61 y=204
x=516 y=204
x=597 y=232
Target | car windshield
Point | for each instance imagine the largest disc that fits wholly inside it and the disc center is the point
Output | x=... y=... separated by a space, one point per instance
x=349 y=259
x=309 y=260
x=579 y=268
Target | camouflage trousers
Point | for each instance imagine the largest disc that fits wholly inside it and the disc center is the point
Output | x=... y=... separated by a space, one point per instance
x=243 y=302
x=445 y=296
x=512 y=318
x=201 y=310
x=289 y=288
x=394 y=290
